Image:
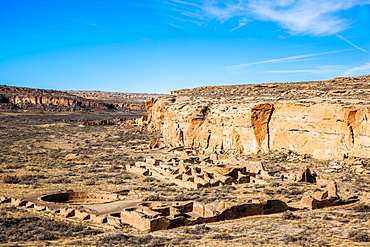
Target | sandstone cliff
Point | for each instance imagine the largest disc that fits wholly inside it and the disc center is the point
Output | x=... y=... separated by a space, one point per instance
x=324 y=119
x=119 y=101
x=48 y=100
x=54 y=100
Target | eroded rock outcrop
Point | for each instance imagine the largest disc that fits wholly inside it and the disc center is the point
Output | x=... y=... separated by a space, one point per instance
x=267 y=117
x=54 y=100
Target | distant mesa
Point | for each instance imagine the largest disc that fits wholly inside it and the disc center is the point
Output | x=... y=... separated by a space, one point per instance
x=19 y=98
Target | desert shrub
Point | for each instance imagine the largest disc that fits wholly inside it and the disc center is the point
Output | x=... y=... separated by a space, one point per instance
x=46 y=236
x=221 y=236
x=290 y=216
x=113 y=239
x=227 y=189
x=303 y=240
x=121 y=239
x=259 y=186
x=295 y=192
x=200 y=229
x=359 y=236
x=77 y=179
x=125 y=176
x=269 y=192
x=60 y=181
x=299 y=239
x=200 y=192
x=182 y=197
x=149 y=179
x=287 y=238
x=33 y=169
x=35 y=228
x=90 y=182
x=166 y=188
x=93 y=170
x=362 y=208
x=170 y=184
x=116 y=181
x=13 y=167
x=291 y=192
x=216 y=195
x=8 y=179
x=11 y=208
x=155 y=197
x=104 y=175
x=26 y=179
x=275 y=184
x=31 y=179
x=326 y=217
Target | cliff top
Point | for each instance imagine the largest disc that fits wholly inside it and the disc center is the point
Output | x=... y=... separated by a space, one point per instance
x=353 y=90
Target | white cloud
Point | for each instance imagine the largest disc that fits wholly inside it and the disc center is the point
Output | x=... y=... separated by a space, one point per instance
x=312 y=17
x=186 y=3
x=349 y=42
x=298 y=71
x=359 y=70
x=242 y=23
x=179 y=27
x=284 y=59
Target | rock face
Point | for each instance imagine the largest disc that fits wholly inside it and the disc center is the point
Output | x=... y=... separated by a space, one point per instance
x=119 y=101
x=324 y=119
x=49 y=100
x=23 y=100
x=53 y=100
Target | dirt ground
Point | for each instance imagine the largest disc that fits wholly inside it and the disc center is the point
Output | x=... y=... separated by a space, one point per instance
x=44 y=153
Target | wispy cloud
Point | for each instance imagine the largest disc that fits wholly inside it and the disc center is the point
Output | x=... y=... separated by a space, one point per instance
x=349 y=42
x=325 y=71
x=359 y=70
x=312 y=17
x=284 y=59
x=178 y=19
x=179 y=27
x=186 y=3
x=242 y=23
x=314 y=71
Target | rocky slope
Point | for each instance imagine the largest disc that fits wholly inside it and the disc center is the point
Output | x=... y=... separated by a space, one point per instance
x=326 y=119
x=18 y=98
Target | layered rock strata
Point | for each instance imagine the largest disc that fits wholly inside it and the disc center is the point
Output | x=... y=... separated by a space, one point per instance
x=328 y=120
x=50 y=100
x=54 y=100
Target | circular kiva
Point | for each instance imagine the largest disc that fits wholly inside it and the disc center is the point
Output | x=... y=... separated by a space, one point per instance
x=80 y=197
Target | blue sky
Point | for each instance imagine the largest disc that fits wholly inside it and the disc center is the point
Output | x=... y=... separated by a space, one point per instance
x=162 y=45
